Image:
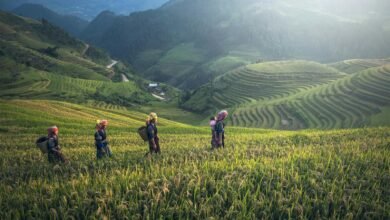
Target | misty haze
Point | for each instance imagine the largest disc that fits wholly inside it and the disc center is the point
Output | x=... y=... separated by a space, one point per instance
x=194 y=109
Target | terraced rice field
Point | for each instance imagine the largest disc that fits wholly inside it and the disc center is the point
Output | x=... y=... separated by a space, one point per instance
x=42 y=85
x=336 y=174
x=353 y=66
x=347 y=102
x=270 y=80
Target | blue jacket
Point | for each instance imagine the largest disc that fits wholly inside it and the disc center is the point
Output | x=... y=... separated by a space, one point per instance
x=219 y=128
x=52 y=142
x=100 y=138
x=151 y=130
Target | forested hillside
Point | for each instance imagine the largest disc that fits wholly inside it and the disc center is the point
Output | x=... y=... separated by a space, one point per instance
x=87 y=10
x=187 y=43
x=41 y=61
x=71 y=24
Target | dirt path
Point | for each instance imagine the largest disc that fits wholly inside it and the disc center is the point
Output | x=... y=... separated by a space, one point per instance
x=158 y=97
x=114 y=62
x=124 y=78
x=85 y=49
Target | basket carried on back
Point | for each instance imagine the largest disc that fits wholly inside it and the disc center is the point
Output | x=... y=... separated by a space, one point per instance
x=142 y=131
x=42 y=144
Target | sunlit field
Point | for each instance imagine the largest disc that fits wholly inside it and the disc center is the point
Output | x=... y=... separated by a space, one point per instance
x=260 y=173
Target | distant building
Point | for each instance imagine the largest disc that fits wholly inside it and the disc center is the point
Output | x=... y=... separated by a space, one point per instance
x=153 y=85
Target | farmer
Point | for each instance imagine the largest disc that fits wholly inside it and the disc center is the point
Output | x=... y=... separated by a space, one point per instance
x=53 y=148
x=220 y=129
x=151 y=126
x=213 y=122
x=102 y=148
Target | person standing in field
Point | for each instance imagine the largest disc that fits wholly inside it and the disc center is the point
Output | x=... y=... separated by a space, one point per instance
x=102 y=148
x=152 y=133
x=213 y=121
x=220 y=129
x=53 y=148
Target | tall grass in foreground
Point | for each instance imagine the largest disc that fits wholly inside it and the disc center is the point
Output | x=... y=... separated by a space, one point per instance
x=261 y=174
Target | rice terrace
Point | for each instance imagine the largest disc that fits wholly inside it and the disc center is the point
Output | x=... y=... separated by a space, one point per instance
x=194 y=109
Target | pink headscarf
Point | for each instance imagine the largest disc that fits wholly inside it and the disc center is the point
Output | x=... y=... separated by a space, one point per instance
x=222 y=115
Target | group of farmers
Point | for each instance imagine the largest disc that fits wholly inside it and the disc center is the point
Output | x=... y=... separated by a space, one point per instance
x=52 y=148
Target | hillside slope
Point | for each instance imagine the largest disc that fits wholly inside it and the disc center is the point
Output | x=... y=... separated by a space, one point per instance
x=40 y=60
x=262 y=81
x=300 y=94
x=361 y=99
x=42 y=113
x=70 y=24
x=356 y=65
x=87 y=10
x=235 y=33
x=46 y=47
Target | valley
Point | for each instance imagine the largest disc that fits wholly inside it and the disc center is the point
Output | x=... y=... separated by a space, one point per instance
x=306 y=85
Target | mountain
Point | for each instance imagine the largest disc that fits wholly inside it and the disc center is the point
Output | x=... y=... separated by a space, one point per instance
x=70 y=24
x=41 y=61
x=87 y=10
x=99 y=26
x=187 y=43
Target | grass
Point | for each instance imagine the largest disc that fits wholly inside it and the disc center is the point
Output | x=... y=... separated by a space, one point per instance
x=170 y=111
x=381 y=119
x=261 y=174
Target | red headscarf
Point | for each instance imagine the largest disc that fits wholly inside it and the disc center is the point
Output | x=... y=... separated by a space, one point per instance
x=52 y=130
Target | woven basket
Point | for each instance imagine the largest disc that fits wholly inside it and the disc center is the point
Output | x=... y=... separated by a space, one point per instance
x=42 y=144
x=142 y=131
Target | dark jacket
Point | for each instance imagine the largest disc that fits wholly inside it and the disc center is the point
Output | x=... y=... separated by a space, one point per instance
x=54 y=151
x=52 y=143
x=154 y=145
x=152 y=131
x=220 y=134
x=219 y=128
x=100 y=138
